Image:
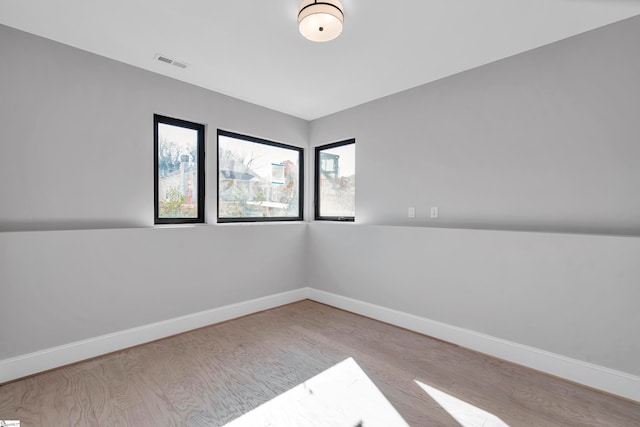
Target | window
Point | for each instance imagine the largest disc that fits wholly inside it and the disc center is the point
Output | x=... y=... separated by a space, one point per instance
x=335 y=181
x=179 y=171
x=258 y=180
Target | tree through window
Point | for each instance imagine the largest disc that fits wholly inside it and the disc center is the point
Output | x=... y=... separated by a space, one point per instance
x=179 y=171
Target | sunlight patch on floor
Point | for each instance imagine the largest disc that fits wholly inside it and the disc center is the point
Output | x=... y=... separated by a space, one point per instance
x=464 y=413
x=342 y=396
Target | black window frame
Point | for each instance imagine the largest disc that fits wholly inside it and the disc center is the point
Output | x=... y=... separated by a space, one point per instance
x=200 y=128
x=257 y=140
x=316 y=180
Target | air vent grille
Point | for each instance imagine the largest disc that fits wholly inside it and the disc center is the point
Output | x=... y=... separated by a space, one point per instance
x=163 y=58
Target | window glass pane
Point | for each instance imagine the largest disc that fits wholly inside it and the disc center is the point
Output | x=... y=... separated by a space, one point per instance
x=177 y=172
x=258 y=180
x=336 y=181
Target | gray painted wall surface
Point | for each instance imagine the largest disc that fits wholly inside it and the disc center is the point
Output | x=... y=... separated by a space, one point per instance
x=574 y=295
x=76 y=151
x=545 y=140
x=77 y=135
x=59 y=287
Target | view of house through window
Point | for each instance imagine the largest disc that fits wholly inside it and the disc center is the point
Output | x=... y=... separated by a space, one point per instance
x=258 y=179
x=335 y=181
x=179 y=179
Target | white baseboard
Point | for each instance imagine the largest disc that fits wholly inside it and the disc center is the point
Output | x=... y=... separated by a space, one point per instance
x=588 y=374
x=39 y=361
x=591 y=375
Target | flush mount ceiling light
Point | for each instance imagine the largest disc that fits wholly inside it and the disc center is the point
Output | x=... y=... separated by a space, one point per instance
x=320 y=21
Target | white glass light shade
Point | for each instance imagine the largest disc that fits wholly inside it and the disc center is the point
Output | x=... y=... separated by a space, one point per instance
x=320 y=21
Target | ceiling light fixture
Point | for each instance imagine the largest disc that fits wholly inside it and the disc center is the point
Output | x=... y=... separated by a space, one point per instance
x=320 y=21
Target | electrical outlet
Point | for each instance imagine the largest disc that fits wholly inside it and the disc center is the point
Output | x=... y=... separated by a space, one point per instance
x=411 y=212
x=434 y=212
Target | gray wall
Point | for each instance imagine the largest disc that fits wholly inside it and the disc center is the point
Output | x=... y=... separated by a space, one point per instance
x=543 y=141
x=58 y=287
x=546 y=140
x=569 y=294
x=76 y=152
x=76 y=127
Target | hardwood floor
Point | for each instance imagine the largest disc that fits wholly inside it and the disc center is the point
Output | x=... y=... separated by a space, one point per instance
x=210 y=376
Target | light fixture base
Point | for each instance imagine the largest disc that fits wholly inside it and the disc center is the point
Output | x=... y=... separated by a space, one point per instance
x=320 y=21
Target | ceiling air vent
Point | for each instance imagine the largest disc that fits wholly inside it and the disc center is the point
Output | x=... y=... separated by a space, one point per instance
x=163 y=58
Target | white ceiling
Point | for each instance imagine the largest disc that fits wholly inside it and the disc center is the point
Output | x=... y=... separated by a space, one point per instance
x=251 y=49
